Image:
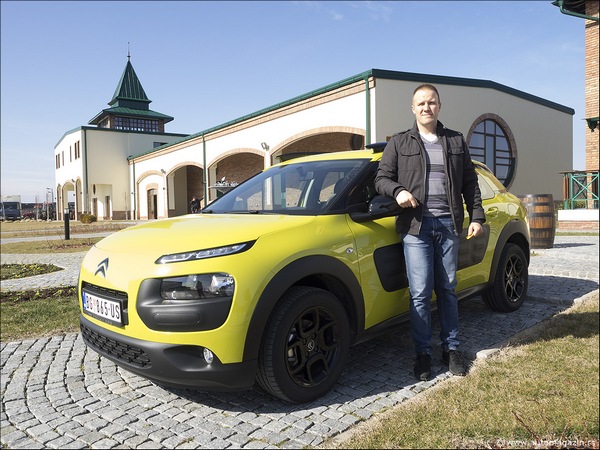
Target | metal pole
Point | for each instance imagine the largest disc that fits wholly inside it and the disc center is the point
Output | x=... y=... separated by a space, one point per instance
x=67 y=233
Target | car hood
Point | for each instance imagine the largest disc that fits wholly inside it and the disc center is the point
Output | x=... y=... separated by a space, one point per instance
x=196 y=232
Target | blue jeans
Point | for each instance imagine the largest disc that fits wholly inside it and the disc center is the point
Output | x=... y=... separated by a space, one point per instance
x=431 y=263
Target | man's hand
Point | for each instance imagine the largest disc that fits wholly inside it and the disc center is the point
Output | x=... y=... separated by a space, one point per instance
x=406 y=200
x=475 y=229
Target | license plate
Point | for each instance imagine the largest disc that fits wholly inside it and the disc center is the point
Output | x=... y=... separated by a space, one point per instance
x=102 y=308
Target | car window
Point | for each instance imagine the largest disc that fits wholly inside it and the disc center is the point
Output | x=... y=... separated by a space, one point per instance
x=294 y=188
x=487 y=191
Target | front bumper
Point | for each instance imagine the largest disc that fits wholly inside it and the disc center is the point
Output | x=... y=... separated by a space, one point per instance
x=181 y=366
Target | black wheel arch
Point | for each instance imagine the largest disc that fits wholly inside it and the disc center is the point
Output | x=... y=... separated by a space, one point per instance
x=515 y=232
x=319 y=271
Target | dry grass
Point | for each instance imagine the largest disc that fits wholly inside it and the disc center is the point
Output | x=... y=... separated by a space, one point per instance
x=54 y=233
x=28 y=228
x=539 y=392
x=49 y=246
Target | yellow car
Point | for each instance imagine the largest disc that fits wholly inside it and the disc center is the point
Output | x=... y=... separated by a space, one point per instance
x=276 y=280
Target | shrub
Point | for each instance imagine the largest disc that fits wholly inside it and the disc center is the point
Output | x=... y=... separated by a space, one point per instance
x=87 y=218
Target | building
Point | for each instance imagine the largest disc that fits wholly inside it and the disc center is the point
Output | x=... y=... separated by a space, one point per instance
x=526 y=140
x=580 y=188
x=91 y=167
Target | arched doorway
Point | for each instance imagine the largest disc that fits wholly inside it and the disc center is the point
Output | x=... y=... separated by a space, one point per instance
x=152 y=203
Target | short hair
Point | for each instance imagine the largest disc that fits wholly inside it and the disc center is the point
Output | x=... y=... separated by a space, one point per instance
x=429 y=87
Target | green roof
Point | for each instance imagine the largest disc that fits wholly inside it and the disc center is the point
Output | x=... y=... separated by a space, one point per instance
x=130 y=88
x=129 y=112
x=385 y=74
x=129 y=99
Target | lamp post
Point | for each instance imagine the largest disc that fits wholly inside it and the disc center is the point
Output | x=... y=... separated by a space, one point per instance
x=51 y=192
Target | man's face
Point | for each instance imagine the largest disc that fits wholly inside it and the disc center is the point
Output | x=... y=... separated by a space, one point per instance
x=426 y=107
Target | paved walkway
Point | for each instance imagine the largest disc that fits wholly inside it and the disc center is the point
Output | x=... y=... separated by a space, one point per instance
x=58 y=394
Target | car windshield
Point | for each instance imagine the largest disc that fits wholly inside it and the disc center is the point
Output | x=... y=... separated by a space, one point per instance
x=306 y=188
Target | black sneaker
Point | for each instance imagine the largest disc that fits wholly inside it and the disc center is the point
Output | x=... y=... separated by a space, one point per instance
x=422 y=368
x=454 y=360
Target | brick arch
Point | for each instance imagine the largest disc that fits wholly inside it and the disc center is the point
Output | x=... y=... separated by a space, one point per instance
x=320 y=140
x=144 y=194
x=141 y=194
x=315 y=132
x=236 y=151
x=228 y=165
x=148 y=173
x=179 y=165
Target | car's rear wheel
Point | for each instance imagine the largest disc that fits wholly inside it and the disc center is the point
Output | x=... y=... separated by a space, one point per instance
x=305 y=345
x=510 y=282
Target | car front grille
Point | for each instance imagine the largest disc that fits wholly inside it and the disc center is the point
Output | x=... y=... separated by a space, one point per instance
x=111 y=347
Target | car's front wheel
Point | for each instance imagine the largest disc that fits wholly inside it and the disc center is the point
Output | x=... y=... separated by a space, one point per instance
x=305 y=345
x=510 y=281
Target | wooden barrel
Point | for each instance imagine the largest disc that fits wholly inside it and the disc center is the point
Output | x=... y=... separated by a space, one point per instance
x=542 y=221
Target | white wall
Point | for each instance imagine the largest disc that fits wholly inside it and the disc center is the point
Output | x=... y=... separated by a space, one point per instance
x=342 y=113
x=107 y=165
x=70 y=170
x=543 y=135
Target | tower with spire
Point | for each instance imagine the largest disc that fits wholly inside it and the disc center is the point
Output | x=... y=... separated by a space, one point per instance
x=129 y=107
x=91 y=167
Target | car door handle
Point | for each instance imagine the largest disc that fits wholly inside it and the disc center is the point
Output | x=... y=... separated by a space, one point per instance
x=493 y=212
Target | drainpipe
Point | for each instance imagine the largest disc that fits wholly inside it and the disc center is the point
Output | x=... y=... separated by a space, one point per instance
x=204 y=172
x=561 y=6
x=367 y=111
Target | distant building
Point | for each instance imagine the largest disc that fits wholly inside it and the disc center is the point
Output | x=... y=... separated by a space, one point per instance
x=133 y=169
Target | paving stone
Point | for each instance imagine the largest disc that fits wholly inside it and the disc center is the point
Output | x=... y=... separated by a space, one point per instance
x=56 y=393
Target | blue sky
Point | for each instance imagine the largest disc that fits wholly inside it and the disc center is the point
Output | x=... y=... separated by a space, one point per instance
x=206 y=63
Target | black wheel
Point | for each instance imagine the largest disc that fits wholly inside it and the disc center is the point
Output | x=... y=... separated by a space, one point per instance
x=510 y=282
x=305 y=345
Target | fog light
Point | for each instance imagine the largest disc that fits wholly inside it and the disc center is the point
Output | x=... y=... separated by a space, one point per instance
x=208 y=356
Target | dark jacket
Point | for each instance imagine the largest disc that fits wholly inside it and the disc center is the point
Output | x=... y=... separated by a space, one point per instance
x=403 y=167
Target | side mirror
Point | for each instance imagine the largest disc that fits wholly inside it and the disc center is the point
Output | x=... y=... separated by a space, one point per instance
x=379 y=207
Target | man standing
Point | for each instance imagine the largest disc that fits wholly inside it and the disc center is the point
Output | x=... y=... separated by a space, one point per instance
x=428 y=170
x=195 y=205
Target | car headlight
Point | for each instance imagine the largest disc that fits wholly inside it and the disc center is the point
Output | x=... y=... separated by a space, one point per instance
x=198 y=286
x=206 y=253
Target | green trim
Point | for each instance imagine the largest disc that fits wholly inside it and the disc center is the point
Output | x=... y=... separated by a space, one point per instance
x=575 y=8
x=469 y=82
x=384 y=74
x=367 y=111
x=134 y=206
x=85 y=200
x=204 y=174
x=592 y=122
x=129 y=112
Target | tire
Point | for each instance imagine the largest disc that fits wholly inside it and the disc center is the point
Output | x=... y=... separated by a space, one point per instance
x=511 y=280
x=305 y=345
